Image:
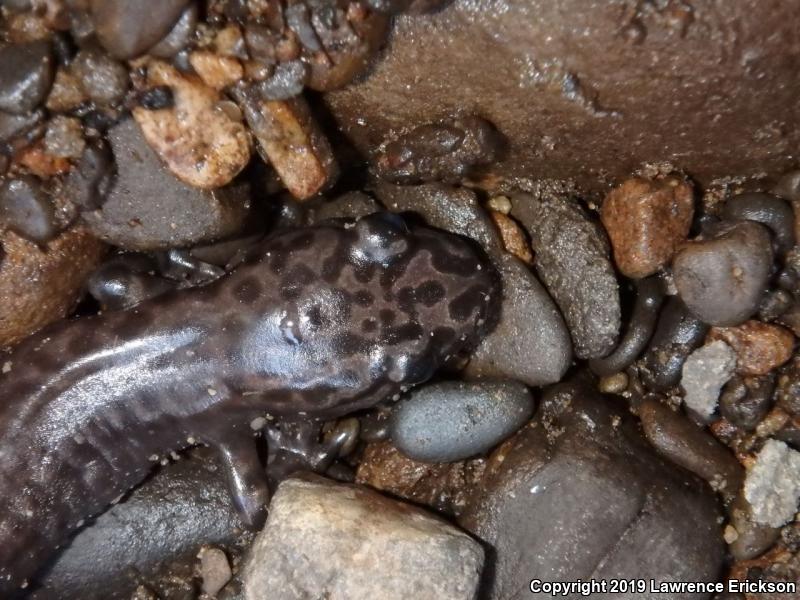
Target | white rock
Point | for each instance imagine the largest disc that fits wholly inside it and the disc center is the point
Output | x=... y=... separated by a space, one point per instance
x=705 y=371
x=772 y=486
x=340 y=542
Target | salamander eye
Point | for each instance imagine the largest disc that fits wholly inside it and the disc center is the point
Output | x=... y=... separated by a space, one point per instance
x=381 y=237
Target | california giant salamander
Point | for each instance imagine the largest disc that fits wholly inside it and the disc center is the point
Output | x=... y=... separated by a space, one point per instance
x=327 y=320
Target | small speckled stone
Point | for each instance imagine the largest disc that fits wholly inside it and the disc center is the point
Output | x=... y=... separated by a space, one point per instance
x=202 y=146
x=336 y=541
x=64 y=137
x=214 y=569
x=760 y=347
x=645 y=221
x=573 y=261
x=705 y=371
x=772 y=486
x=450 y=421
x=722 y=279
x=104 y=79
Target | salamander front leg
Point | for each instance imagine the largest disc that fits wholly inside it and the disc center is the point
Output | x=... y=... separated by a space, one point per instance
x=246 y=479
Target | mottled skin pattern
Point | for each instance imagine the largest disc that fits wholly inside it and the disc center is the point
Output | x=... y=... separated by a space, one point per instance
x=330 y=319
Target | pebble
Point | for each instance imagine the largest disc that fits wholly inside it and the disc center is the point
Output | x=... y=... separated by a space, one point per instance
x=451 y=421
x=180 y=36
x=339 y=541
x=147 y=208
x=705 y=371
x=530 y=343
x=216 y=71
x=573 y=261
x=682 y=442
x=214 y=570
x=64 y=137
x=760 y=347
x=286 y=82
x=677 y=334
x=771 y=211
x=291 y=141
x=787 y=394
x=443 y=487
x=772 y=486
x=455 y=209
x=722 y=279
x=103 y=79
x=449 y=150
x=747 y=400
x=750 y=539
x=514 y=240
x=646 y=221
x=26 y=74
x=40 y=285
x=88 y=184
x=202 y=146
x=27 y=210
x=580 y=491
x=15 y=126
x=67 y=93
x=127 y=29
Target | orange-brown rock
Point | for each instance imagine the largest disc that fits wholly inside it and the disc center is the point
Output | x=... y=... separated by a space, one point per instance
x=443 y=487
x=646 y=221
x=514 y=239
x=39 y=285
x=760 y=347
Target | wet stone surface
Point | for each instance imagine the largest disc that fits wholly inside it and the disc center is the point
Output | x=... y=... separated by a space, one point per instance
x=451 y=421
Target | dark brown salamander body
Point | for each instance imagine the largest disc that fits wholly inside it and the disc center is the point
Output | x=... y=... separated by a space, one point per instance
x=330 y=319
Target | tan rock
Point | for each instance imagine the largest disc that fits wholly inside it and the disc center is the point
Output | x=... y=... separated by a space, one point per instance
x=513 y=237
x=291 y=141
x=202 y=146
x=39 y=285
x=443 y=487
x=760 y=347
x=330 y=540
x=646 y=221
x=215 y=70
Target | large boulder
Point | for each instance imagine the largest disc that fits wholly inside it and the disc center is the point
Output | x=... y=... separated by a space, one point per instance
x=593 y=89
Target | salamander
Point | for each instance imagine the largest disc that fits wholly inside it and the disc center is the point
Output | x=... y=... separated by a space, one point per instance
x=324 y=321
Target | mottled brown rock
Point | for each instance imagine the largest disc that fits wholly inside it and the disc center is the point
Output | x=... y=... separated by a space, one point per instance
x=443 y=487
x=200 y=143
x=291 y=141
x=39 y=285
x=760 y=347
x=646 y=221
x=513 y=237
x=578 y=97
